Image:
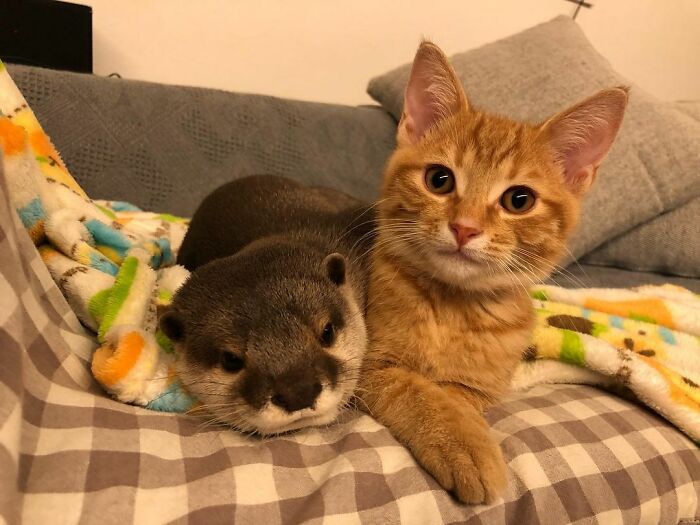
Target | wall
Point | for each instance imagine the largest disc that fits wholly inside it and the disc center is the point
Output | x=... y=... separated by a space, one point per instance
x=327 y=50
x=654 y=43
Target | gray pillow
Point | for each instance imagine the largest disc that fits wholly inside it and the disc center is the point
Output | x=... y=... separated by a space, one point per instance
x=654 y=166
x=670 y=242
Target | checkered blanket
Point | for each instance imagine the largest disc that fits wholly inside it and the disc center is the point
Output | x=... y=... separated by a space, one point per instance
x=69 y=453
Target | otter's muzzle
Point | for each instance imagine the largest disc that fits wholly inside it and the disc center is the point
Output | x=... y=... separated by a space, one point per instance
x=296 y=390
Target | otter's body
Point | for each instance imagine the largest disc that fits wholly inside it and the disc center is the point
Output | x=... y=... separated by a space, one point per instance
x=270 y=326
x=253 y=208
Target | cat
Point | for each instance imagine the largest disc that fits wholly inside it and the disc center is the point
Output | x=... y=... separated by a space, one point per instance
x=474 y=207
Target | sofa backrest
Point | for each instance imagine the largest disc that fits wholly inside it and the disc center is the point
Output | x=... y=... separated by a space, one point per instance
x=164 y=148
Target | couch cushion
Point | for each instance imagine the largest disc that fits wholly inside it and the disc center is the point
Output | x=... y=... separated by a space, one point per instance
x=654 y=165
x=165 y=147
x=596 y=276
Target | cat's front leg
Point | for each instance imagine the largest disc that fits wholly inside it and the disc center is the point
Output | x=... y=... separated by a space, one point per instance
x=447 y=436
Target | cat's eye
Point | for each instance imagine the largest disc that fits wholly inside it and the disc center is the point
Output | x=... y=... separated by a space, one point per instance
x=328 y=335
x=439 y=179
x=518 y=199
x=231 y=362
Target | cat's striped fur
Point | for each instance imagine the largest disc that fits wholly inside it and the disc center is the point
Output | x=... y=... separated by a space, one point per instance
x=448 y=323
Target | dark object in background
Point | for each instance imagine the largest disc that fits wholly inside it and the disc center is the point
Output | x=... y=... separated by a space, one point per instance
x=46 y=33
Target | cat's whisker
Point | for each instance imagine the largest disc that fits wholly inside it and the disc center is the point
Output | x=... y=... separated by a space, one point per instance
x=514 y=278
x=377 y=221
x=378 y=229
x=522 y=270
x=397 y=240
x=524 y=267
x=369 y=208
x=574 y=260
x=550 y=266
x=532 y=255
x=488 y=266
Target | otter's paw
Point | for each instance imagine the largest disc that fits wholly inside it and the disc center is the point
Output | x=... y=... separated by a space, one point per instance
x=474 y=471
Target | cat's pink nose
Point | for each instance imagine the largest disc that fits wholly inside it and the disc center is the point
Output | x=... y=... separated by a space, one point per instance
x=464 y=232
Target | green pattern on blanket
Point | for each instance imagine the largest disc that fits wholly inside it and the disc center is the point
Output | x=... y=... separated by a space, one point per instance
x=97 y=304
x=118 y=295
x=572 y=349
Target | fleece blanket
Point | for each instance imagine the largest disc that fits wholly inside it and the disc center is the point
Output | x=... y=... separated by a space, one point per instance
x=643 y=341
x=113 y=262
x=115 y=265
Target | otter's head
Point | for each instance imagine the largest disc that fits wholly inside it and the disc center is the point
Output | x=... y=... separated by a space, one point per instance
x=269 y=340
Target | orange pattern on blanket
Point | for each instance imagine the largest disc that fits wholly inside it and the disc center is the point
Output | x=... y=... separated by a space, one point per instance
x=649 y=310
x=52 y=166
x=42 y=146
x=110 y=367
x=678 y=391
x=12 y=137
x=47 y=253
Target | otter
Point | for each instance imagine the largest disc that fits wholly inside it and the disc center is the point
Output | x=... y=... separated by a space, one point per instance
x=269 y=329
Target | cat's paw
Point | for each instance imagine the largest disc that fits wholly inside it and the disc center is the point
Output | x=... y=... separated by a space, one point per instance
x=474 y=471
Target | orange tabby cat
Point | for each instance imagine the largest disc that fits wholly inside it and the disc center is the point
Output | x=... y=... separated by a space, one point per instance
x=474 y=207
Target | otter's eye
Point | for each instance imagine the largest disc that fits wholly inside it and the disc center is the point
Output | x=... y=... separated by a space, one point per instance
x=231 y=362
x=328 y=335
x=439 y=179
x=518 y=199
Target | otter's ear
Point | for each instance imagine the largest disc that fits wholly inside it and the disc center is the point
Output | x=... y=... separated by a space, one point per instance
x=582 y=135
x=171 y=324
x=433 y=93
x=335 y=268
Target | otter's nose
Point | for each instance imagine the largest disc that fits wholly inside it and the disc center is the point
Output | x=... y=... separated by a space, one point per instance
x=296 y=397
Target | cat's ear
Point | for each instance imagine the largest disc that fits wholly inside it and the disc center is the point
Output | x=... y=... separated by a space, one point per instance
x=582 y=135
x=433 y=93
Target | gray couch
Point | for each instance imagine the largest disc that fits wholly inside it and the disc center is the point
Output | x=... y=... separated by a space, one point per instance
x=70 y=454
x=164 y=148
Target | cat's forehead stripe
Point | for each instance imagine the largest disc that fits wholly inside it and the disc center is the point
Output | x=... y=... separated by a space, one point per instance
x=509 y=168
x=464 y=157
x=478 y=126
x=487 y=142
x=507 y=152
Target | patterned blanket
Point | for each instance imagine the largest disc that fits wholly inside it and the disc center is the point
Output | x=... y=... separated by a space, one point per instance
x=644 y=341
x=115 y=265
x=113 y=262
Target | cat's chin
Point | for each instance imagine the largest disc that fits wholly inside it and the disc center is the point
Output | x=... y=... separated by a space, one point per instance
x=463 y=257
x=466 y=270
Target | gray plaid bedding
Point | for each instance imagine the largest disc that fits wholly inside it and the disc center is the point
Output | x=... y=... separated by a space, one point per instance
x=69 y=454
